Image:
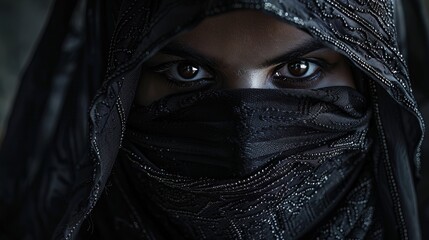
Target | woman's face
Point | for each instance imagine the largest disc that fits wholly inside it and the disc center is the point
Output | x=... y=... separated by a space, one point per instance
x=242 y=49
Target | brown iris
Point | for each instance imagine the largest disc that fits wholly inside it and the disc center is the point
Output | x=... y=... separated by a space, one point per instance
x=187 y=70
x=298 y=68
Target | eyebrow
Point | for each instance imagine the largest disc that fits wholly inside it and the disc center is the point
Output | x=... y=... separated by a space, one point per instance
x=302 y=49
x=180 y=49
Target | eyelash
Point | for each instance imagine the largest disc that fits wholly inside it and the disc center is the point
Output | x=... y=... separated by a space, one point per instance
x=172 y=82
x=303 y=82
x=282 y=81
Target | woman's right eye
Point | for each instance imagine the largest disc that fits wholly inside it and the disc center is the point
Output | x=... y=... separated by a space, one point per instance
x=183 y=72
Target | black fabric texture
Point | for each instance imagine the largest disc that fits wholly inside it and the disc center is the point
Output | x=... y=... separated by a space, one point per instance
x=254 y=163
x=59 y=158
x=416 y=38
x=234 y=133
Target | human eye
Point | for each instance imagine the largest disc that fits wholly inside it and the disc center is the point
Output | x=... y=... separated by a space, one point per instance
x=184 y=73
x=301 y=73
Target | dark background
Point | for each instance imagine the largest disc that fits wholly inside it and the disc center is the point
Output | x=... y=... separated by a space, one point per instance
x=20 y=24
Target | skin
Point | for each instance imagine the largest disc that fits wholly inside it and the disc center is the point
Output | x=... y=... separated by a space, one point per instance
x=242 y=49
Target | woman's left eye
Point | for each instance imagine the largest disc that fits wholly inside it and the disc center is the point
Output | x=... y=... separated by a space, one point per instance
x=300 y=73
x=183 y=72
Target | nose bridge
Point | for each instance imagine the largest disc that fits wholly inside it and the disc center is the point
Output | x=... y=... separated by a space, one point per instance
x=244 y=79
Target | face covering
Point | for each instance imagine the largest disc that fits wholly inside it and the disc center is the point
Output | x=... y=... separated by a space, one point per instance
x=253 y=163
x=234 y=133
x=67 y=186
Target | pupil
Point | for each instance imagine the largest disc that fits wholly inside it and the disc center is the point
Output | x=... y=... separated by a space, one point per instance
x=187 y=70
x=298 y=68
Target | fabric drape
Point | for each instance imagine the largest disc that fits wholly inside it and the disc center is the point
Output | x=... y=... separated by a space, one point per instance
x=71 y=112
x=254 y=163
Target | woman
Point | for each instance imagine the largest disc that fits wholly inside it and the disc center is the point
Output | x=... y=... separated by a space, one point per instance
x=216 y=119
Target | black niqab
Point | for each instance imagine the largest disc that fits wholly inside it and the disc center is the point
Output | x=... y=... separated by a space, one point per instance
x=56 y=163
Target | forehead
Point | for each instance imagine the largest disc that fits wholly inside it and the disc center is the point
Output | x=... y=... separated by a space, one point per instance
x=243 y=37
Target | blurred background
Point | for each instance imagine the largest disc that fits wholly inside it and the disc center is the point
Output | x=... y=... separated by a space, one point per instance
x=21 y=21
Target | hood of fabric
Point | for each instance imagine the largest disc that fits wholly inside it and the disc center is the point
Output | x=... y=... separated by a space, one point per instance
x=363 y=31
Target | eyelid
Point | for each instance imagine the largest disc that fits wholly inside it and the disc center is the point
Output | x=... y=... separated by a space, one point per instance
x=170 y=74
x=303 y=82
x=317 y=60
x=166 y=64
x=313 y=68
x=161 y=67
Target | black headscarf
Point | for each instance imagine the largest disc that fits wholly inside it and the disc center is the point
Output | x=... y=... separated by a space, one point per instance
x=56 y=160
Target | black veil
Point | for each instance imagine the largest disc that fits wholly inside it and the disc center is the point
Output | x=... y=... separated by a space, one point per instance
x=69 y=116
x=48 y=126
